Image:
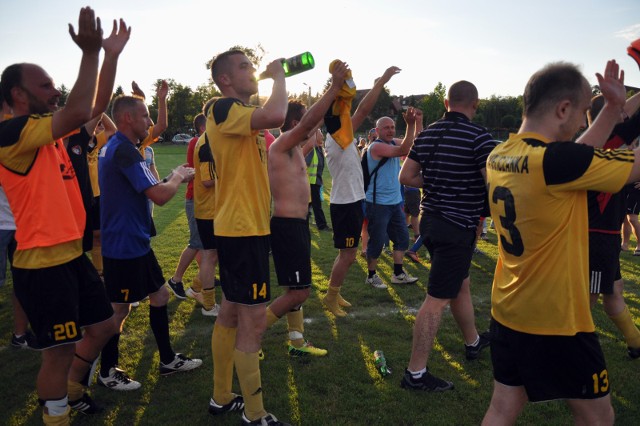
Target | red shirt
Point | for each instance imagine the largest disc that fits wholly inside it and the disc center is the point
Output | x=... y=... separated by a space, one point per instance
x=190 y=149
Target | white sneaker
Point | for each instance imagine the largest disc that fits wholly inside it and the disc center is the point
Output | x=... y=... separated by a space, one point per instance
x=180 y=363
x=118 y=380
x=403 y=278
x=195 y=295
x=213 y=312
x=376 y=282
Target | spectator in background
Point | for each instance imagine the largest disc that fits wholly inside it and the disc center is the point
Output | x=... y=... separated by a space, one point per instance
x=194 y=246
x=448 y=162
x=315 y=160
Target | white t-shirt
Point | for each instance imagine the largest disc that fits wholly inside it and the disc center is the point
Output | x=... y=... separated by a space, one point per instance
x=6 y=216
x=347 y=184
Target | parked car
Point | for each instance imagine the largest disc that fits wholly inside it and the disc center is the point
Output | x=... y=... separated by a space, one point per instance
x=181 y=139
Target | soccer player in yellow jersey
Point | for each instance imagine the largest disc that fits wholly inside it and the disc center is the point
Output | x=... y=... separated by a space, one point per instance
x=242 y=207
x=203 y=212
x=290 y=238
x=55 y=283
x=543 y=341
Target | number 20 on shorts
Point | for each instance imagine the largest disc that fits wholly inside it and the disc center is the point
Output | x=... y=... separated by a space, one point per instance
x=65 y=331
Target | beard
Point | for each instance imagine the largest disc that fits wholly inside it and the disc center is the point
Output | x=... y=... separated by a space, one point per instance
x=37 y=106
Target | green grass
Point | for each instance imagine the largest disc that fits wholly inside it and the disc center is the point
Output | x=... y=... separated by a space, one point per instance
x=341 y=389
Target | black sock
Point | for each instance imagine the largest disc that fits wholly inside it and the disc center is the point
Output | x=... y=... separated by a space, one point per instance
x=159 y=321
x=86 y=379
x=109 y=356
x=372 y=273
x=397 y=269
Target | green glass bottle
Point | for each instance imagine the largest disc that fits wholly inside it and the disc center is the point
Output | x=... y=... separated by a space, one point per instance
x=295 y=65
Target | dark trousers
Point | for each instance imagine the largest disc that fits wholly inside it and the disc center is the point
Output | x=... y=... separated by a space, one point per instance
x=316 y=205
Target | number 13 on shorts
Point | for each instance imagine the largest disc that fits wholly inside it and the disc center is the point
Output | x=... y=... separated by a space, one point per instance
x=260 y=291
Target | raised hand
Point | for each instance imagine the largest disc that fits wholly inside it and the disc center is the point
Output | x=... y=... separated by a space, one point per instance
x=89 y=37
x=114 y=44
x=163 y=90
x=339 y=73
x=612 y=84
x=136 y=90
x=410 y=116
x=390 y=72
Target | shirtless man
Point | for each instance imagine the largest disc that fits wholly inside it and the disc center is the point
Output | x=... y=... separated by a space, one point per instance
x=290 y=238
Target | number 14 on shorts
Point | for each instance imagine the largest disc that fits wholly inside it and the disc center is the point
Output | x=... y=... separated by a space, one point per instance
x=260 y=291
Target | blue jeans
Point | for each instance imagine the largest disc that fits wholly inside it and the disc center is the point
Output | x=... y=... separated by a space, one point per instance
x=383 y=221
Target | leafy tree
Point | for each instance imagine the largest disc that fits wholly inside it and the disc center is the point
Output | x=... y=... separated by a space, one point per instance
x=493 y=112
x=64 y=94
x=382 y=108
x=432 y=105
x=508 y=121
x=204 y=92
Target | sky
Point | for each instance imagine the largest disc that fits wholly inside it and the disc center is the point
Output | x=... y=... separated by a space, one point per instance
x=496 y=44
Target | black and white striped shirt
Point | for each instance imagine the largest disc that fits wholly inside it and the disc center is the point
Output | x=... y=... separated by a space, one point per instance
x=451 y=153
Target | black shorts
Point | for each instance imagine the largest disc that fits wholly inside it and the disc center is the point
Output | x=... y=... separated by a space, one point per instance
x=412 y=202
x=347 y=224
x=451 y=249
x=604 y=262
x=132 y=280
x=244 y=269
x=549 y=367
x=61 y=299
x=633 y=201
x=205 y=231
x=95 y=213
x=291 y=250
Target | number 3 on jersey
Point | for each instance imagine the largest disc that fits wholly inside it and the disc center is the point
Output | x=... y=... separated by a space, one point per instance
x=259 y=291
x=515 y=247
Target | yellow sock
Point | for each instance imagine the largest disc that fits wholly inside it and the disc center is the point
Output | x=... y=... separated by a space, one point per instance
x=208 y=298
x=626 y=325
x=75 y=390
x=197 y=284
x=295 y=322
x=331 y=302
x=96 y=258
x=271 y=318
x=62 y=420
x=223 y=343
x=248 y=369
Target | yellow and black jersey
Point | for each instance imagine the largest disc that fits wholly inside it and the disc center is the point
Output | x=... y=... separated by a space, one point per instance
x=242 y=196
x=43 y=193
x=538 y=200
x=203 y=197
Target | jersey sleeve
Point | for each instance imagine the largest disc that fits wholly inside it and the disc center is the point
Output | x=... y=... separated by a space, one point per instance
x=233 y=118
x=569 y=166
x=20 y=139
x=134 y=168
x=205 y=159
